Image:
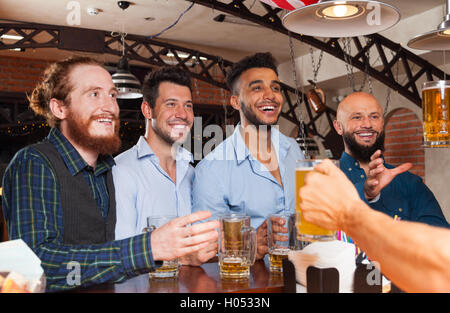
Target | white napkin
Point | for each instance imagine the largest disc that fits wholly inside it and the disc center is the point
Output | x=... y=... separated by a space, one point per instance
x=16 y=256
x=328 y=254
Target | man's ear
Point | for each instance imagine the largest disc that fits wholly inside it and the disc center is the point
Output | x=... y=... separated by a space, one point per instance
x=58 y=108
x=235 y=103
x=146 y=110
x=338 y=126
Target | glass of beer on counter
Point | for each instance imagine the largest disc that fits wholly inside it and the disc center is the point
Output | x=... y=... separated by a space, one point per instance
x=279 y=236
x=169 y=269
x=306 y=231
x=237 y=246
x=436 y=114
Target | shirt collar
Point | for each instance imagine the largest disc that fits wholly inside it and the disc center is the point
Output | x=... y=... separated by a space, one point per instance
x=73 y=160
x=144 y=150
x=279 y=142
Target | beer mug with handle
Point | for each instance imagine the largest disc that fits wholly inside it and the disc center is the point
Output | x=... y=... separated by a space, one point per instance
x=237 y=246
x=169 y=269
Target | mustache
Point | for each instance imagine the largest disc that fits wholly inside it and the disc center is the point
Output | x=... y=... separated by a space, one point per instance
x=268 y=102
x=114 y=118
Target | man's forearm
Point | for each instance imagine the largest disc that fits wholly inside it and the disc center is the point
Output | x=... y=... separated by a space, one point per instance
x=413 y=255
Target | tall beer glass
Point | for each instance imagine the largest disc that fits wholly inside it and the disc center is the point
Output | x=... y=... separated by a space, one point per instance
x=237 y=246
x=305 y=230
x=279 y=236
x=435 y=107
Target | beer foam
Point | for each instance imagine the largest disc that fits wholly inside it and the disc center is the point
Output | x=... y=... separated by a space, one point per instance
x=304 y=169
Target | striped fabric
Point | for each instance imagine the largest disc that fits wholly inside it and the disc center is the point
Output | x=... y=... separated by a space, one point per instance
x=289 y=4
x=33 y=212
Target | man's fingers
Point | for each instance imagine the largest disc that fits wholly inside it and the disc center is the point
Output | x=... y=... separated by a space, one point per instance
x=192 y=218
x=376 y=155
x=401 y=168
x=201 y=228
x=200 y=238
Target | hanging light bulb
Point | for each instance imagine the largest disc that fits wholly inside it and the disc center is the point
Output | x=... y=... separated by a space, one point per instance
x=329 y=18
x=438 y=39
x=128 y=86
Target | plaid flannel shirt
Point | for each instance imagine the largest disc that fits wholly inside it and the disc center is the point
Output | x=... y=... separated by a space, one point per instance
x=32 y=209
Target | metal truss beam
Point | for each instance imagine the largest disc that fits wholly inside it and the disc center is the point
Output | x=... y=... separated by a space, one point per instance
x=391 y=54
x=203 y=66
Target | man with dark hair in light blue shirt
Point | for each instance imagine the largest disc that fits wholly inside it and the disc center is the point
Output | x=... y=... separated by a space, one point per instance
x=253 y=170
x=154 y=177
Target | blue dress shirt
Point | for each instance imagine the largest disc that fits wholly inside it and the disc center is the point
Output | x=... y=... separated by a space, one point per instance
x=231 y=180
x=406 y=197
x=144 y=189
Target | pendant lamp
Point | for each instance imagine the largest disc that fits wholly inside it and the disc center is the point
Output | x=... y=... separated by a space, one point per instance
x=335 y=19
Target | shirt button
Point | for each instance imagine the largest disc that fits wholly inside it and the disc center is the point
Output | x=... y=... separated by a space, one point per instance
x=356 y=163
x=349 y=168
x=400 y=209
x=362 y=176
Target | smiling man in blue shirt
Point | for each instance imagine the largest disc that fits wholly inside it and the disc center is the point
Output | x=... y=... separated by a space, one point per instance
x=388 y=189
x=154 y=177
x=253 y=170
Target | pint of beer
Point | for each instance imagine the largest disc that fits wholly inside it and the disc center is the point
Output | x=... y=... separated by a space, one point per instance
x=169 y=269
x=436 y=114
x=305 y=230
x=279 y=233
x=237 y=246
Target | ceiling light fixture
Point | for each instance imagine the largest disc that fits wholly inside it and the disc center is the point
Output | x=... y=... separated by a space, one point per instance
x=329 y=18
x=437 y=39
x=11 y=37
x=127 y=84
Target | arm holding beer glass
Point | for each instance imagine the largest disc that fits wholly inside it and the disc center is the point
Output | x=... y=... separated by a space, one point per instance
x=413 y=255
x=176 y=239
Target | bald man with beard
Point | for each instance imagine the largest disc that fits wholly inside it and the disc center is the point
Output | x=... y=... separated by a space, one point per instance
x=388 y=189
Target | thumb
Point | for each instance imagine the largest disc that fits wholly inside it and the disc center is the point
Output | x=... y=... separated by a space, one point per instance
x=401 y=168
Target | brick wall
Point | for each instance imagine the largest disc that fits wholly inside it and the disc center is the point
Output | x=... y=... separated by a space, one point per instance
x=404 y=140
x=205 y=93
x=19 y=74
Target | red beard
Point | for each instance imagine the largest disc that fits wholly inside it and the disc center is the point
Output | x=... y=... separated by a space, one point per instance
x=78 y=130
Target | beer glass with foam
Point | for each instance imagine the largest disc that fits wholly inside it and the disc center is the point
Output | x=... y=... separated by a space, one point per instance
x=435 y=108
x=237 y=246
x=307 y=231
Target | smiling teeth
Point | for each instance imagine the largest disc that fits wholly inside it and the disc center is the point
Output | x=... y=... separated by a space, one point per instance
x=365 y=134
x=179 y=126
x=268 y=108
x=104 y=120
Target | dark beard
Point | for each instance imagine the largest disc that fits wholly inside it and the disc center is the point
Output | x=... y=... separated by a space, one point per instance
x=102 y=145
x=251 y=116
x=363 y=153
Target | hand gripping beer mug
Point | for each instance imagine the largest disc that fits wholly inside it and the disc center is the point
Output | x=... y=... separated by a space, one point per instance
x=169 y=269
x=279 y=236
x=435 y=106
x=305 y=230
x=237 y=246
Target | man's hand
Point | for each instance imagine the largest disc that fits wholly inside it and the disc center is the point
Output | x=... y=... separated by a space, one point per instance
x=327 y=196
x=261 y=241
x=176 y=239
x=379 y=176
x=201 y=256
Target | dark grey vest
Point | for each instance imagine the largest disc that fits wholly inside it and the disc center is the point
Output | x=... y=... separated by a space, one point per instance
x=82 y=220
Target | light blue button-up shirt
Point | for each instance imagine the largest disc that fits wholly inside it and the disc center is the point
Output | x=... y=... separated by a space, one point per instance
x=230 y=179
x=144 y=189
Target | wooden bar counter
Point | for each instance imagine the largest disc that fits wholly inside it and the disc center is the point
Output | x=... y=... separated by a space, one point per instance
x=202 y=279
